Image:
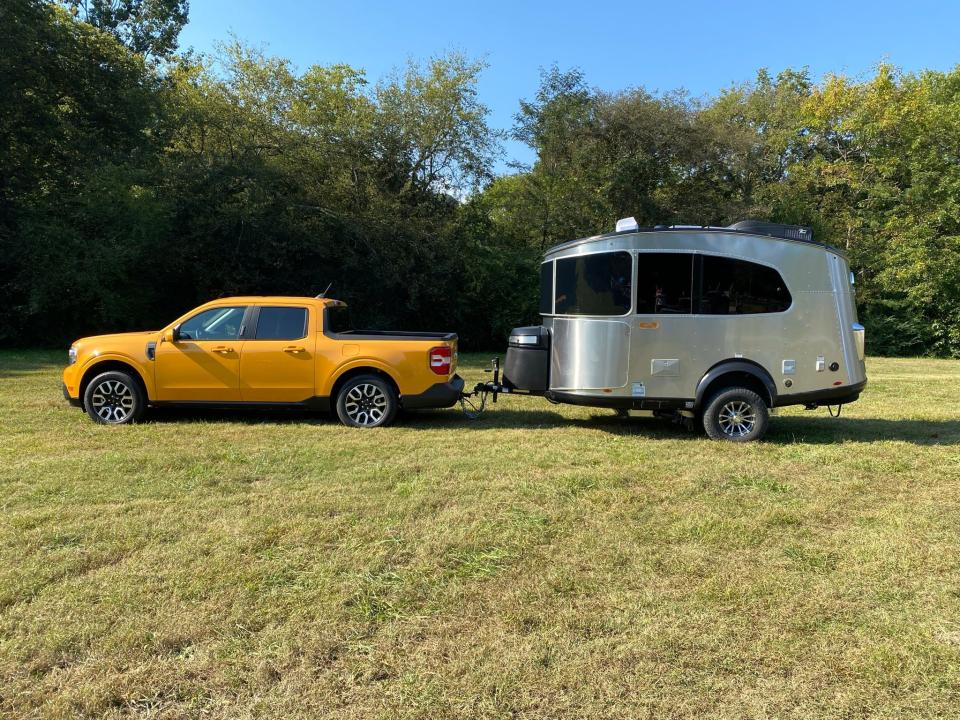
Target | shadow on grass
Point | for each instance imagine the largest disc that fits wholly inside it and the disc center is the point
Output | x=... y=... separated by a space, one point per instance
x=814 y=429
x=32 y=362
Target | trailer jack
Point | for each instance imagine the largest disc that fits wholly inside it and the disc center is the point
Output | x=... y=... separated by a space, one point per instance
x=475 y=402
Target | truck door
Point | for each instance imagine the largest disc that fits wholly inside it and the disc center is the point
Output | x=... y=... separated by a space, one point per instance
x=277 y=362
x=204 y=363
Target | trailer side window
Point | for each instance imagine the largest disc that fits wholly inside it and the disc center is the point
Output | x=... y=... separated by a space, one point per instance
x=664 y=283
x=738 y=287
x=546 y=288
x=598 y=284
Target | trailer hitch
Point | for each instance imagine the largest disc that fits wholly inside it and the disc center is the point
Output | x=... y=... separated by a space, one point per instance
x=475 y=402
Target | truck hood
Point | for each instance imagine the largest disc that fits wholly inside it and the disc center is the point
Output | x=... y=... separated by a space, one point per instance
x=116 y=337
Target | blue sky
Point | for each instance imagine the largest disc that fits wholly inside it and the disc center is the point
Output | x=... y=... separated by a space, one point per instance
x=700 y=46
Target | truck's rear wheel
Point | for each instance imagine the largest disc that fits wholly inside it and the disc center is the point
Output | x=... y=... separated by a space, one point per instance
x=366 y=401
x=736 y=414
x=114 y=398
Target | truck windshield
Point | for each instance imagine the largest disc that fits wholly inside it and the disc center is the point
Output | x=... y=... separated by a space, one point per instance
x=338 y=320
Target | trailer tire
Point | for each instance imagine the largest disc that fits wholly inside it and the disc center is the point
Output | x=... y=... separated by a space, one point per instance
x=367 y=401
x=736 y=414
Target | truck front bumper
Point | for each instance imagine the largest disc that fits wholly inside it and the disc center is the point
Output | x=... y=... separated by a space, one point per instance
x=75 y=401
x=440 y=395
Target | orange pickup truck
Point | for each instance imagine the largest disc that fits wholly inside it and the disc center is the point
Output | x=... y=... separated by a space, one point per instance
x=264 y=351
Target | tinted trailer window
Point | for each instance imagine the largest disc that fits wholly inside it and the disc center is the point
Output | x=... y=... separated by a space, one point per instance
x=546 y=288
x=738 y=287
x=664 y=283
x=599 y=284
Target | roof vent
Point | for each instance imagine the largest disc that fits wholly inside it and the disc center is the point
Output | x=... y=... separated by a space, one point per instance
x=787 y=232
x=627 y=224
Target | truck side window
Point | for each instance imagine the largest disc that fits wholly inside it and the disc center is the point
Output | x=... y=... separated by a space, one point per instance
x=664 y=283
x=282 y=323
x=222 y=323
x=598 y=284
x=738 y=287
x=546 y=288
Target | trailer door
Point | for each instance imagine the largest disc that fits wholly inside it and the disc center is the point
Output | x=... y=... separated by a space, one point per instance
x=664 y=328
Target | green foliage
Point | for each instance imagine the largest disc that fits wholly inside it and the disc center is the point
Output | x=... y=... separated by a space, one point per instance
x=133 y=189
x=148 y=27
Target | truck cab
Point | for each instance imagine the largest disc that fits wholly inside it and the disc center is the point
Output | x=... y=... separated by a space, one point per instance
x=264 y=351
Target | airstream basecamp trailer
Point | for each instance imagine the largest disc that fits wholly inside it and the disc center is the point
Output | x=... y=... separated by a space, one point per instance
x=716 y=324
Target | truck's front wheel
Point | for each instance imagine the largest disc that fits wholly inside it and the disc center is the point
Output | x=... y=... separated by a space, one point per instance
x=366 y=401
x=114 y=398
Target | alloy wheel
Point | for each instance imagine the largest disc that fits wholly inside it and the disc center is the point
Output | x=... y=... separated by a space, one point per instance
x=366 y=404
x=113 y=401
x=737 y=418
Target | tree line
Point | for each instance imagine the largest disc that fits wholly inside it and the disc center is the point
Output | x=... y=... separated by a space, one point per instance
x=137 y=181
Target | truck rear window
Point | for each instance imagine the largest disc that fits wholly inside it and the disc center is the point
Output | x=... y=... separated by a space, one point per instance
x=338 y=320
x=598 y=284
x=282 y=323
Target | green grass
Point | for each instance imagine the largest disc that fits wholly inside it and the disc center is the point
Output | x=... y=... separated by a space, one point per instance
x=541 y=562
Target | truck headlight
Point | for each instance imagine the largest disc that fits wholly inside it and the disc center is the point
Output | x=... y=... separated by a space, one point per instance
x=71 y=355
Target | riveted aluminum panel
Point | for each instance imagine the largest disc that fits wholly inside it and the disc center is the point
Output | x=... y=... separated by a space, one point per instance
x=589 y=354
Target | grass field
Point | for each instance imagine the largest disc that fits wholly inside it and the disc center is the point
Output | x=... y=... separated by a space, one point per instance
x=537 y=563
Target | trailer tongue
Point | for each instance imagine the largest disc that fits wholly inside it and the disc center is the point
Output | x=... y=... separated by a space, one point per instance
x=475 y=402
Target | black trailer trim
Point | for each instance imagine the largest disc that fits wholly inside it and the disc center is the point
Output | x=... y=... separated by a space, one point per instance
x=840 y=395
x=830 y=396
x=618 y=402
x=740 y=365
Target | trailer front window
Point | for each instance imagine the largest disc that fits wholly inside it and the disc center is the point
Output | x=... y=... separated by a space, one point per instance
x=546 y=288
x=598 y=284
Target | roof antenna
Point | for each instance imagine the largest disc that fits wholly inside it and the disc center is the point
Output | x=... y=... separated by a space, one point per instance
x=324 y=293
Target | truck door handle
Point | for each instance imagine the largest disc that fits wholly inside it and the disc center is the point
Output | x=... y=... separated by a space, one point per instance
x=294 y=349
x=222 y=349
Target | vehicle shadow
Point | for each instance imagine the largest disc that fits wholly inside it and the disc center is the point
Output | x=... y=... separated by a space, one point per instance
x=818 y=429
x=784 y=430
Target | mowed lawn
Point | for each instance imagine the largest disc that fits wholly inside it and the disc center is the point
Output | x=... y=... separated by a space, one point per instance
x=541 y=562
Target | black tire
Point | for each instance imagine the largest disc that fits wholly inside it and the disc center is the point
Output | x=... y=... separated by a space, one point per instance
x=736 y=414
x=115 y=398
x=367 y=401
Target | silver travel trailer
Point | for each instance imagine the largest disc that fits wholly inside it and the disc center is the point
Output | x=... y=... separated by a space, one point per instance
x=716 y=324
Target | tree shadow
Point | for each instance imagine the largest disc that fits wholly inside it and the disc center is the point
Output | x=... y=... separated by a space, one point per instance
x=24 y=367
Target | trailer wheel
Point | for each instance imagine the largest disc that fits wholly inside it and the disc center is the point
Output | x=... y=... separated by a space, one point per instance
x=366 y=401
x=736 y=414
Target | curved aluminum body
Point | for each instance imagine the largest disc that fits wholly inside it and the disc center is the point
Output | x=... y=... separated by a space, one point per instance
x=666 y=355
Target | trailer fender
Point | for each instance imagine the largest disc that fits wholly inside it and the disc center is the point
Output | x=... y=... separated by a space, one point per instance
x=715 y=377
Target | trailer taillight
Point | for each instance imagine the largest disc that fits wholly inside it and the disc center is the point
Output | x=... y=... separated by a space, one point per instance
x=441 y=359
